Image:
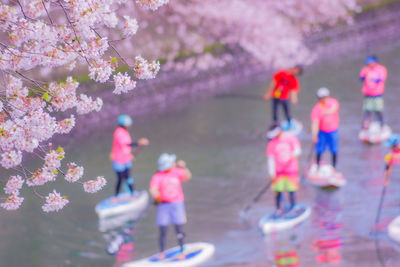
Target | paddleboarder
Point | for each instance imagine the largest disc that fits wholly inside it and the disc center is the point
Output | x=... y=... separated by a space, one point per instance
x=325 y=125
x=284 y=86
x=393 y=157
x=373 y=75
x=166 y=189
x=282 y=153
x=121 y=153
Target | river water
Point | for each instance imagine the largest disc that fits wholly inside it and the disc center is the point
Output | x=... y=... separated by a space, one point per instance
x=222 y=141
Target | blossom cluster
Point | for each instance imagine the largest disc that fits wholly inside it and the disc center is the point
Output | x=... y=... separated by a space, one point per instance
x=42 y=36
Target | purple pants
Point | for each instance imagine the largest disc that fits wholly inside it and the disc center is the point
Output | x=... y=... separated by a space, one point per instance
x=171 y=213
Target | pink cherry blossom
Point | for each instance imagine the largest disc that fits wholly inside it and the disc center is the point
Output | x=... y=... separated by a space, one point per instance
x=123 y=83
x=92 y=186
x=14 y=184
x=74 y=172
x=130 y=26
x=54 y=202
x=144 y=69
x=151 y=4
x=13 y=202
x=42 y=176
x=11 y=159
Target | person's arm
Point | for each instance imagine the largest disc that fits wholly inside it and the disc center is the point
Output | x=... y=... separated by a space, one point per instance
x=140 y=142
x=362 y=75
x=296 y=152
x=271 y=167
x=314 y=130
x=154 y=193
x=294 y=97
x=270 y=89
x=187 y=173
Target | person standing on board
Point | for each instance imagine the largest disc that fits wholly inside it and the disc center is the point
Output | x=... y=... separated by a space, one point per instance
x=282 y=153
x=373 y=76
x=166 y=190
x=121 y=153
x=325 y=125
x=284 y=85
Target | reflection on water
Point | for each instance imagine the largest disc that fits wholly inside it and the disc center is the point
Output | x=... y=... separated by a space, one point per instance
x=327 y=221
x=121 y=243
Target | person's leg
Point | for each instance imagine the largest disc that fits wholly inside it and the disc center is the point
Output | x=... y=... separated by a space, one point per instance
x=286 y=109
x=366 y=119
x=379 y=115
x=180 y=235
x=278 y=199
x=163 y=237
x=292 y=197
x=275 y=104
x=367 y=106
x=126 y=175
x=334 y=146
x=320 y=146
x=120 y=177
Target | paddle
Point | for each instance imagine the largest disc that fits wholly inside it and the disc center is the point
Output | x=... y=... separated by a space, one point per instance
x=387 y=178
x=309 y=158
x=243 y=213
x=378 y=215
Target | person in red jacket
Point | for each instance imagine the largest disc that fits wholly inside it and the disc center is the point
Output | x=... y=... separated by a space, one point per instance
x=284 y=85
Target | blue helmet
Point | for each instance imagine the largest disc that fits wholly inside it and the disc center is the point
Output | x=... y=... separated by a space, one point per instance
x=393 y=140
x=124 y=120
x=165 y=161
x=371 y=59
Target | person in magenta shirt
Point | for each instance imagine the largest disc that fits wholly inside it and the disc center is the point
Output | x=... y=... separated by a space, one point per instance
x=393 y=157
x=325 y=125
x=166 y=189
x=121 y=153
x=282 y=154
x=284 y=85
x=373 y=76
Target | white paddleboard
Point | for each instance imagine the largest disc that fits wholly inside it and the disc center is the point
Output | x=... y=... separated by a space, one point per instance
x=196 y=254
x=125 y=204
x=270 y=224
x=295 y=126
x=324 y=176
x=375 y=133
x=394 y=229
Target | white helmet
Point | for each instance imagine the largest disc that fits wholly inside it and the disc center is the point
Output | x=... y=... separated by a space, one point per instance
x=323 y=92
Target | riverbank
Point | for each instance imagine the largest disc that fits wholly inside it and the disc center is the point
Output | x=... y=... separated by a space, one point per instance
x=373 y=30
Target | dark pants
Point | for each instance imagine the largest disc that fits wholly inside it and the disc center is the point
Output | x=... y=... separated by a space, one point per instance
x=285 y=105
x=279 y=196
x=123 y=176
x=180 y=235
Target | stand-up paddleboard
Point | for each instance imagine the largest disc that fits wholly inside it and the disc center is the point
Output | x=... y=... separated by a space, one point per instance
x=375 y=133
x=295 y=126
x=125 y=204
x=271 y=223
x=195 y=254
x=394 y=229
x=324 y=176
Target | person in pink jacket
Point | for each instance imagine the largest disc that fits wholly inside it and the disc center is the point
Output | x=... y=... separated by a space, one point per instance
x=325 y=125
x=121 y=153
x=373 y=76
x=282 y=153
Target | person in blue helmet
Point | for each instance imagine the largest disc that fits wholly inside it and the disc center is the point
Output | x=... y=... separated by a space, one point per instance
x=121 y=153
x=373 y=76
x=166 y=190
x=393 y=157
